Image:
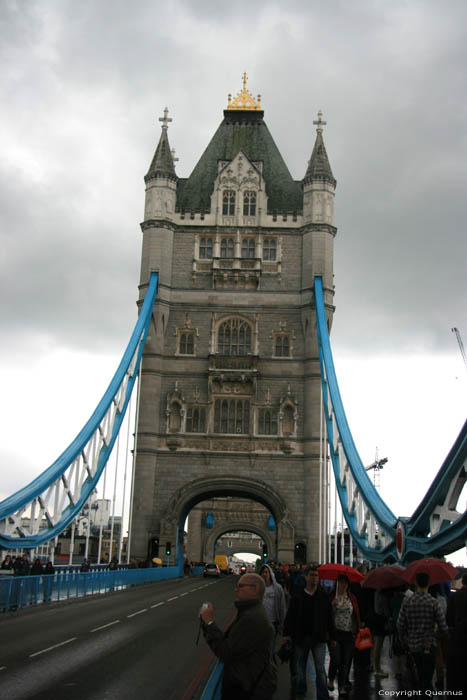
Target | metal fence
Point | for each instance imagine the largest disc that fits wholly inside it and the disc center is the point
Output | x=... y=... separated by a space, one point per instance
x=20 y=591
x=213 y=687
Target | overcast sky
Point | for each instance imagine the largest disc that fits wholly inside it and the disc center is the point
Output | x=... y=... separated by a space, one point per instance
x=82 y=87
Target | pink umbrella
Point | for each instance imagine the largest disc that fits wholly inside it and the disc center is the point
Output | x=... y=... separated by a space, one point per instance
x=330 y=572
x=437 y=569
x=385 y=577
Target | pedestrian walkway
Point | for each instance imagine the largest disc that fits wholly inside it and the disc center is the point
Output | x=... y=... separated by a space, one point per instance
x=365 y=685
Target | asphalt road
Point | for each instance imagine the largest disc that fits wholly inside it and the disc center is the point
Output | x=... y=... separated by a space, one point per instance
x=134 y=644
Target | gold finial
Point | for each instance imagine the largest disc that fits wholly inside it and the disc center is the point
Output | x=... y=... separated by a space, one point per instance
x=244 y=100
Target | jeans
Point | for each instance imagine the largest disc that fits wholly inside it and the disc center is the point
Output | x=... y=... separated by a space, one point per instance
x=301 y=656
x=341 y=657
x=425 y=665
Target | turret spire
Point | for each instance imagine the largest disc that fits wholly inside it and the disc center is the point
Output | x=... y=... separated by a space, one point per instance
x=319 y=167
x=163 y=162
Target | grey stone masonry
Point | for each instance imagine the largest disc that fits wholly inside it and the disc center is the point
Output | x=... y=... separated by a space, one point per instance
x=230 y=391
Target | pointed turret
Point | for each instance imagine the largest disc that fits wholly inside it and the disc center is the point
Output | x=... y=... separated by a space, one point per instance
x=161 y=178
x=319 y=167
x=162 y=164
x=319 y=186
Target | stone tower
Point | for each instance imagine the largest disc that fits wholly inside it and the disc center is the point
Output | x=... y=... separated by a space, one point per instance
x=230 y=391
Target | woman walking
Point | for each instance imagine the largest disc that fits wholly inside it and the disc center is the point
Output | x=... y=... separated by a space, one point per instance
x=347 y=622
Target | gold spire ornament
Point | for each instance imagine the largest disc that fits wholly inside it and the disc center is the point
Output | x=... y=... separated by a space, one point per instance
x=244 y=100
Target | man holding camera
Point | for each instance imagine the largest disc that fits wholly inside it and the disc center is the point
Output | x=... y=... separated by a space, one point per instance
x=245 y=647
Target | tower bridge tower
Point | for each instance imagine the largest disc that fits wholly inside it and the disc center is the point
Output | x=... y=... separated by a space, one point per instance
x=230 y=390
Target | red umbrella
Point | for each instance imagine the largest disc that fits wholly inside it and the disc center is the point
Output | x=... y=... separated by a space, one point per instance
x=385 y=577
x=437 y=569
x=330 y=572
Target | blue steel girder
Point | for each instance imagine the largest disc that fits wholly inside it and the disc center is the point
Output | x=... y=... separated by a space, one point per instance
x=44 y=508
x=436 y=527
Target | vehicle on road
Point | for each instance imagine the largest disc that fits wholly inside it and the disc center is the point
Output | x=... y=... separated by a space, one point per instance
x=222 y=562
x=211 y=570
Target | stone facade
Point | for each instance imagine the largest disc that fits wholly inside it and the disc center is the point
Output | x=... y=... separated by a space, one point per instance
x=230 y=392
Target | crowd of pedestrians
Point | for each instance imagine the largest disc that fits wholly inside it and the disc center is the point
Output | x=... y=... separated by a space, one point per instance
x=22 y=566
x=421 y=627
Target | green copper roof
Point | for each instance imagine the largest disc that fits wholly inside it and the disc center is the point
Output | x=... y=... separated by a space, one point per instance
x=162 y=164
x=319 y=167
x=247 y=132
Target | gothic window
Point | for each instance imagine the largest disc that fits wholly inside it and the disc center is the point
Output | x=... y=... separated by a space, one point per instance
x=205 y=248
x=288 y=421
x=187 y=344
x=249 y=203
x=228 y=203
x=196 y=420
x=248 y=248
x=269 y=249
x=234 y=337
x=267 y=422
x=282 y=346
x=175 y=419
x=232 y=416
x=227 y=248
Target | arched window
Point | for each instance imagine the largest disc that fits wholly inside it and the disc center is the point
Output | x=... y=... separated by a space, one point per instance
x=248 y=248
x=196 y=420
x=227 y=248
x=288 y=421
x=234 y=337
x=249 y=203
x=269 y=249
x=282 y=346
x=228 y=203
x=267 y=422
x=175 y=420
x=186 y=344
x=232 y=416
x=205 y=248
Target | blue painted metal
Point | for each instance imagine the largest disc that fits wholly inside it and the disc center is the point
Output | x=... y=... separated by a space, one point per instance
x=420 y=539
x=213 y=687
x=382 y=514
x=25 y=495
x=22 y=591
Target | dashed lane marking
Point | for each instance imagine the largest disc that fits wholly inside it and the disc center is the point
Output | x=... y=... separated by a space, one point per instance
x=156 y=605
x=138 y=612
x=2 y=668
x=174 y=598
x=102 y=627
x=182 y=594
x=43 y=651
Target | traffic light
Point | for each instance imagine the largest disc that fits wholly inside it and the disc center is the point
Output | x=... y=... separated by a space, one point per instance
x=153 y=547
x=168 y=548
x=265 y=552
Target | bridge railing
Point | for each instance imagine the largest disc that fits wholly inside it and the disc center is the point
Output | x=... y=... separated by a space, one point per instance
x=213 y=687
x=21 y=591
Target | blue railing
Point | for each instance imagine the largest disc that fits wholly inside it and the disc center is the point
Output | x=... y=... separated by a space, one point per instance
x=213 y=687
x=22 y=591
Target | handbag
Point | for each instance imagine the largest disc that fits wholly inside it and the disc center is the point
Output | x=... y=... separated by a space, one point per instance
x=363 y=639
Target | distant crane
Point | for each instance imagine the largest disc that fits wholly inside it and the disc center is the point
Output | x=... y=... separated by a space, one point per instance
x=461 y=345
x=376 y=466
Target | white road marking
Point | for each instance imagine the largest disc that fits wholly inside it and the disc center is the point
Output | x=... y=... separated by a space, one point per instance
x=174 y=598
x=2 y=668
x=138 y=612
x=156 y=605
x=67 y=641
x=102 y=627
x=182 y=594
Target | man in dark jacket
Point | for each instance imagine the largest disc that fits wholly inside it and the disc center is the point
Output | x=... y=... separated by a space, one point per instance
x=309 y=623
x=246 y=645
